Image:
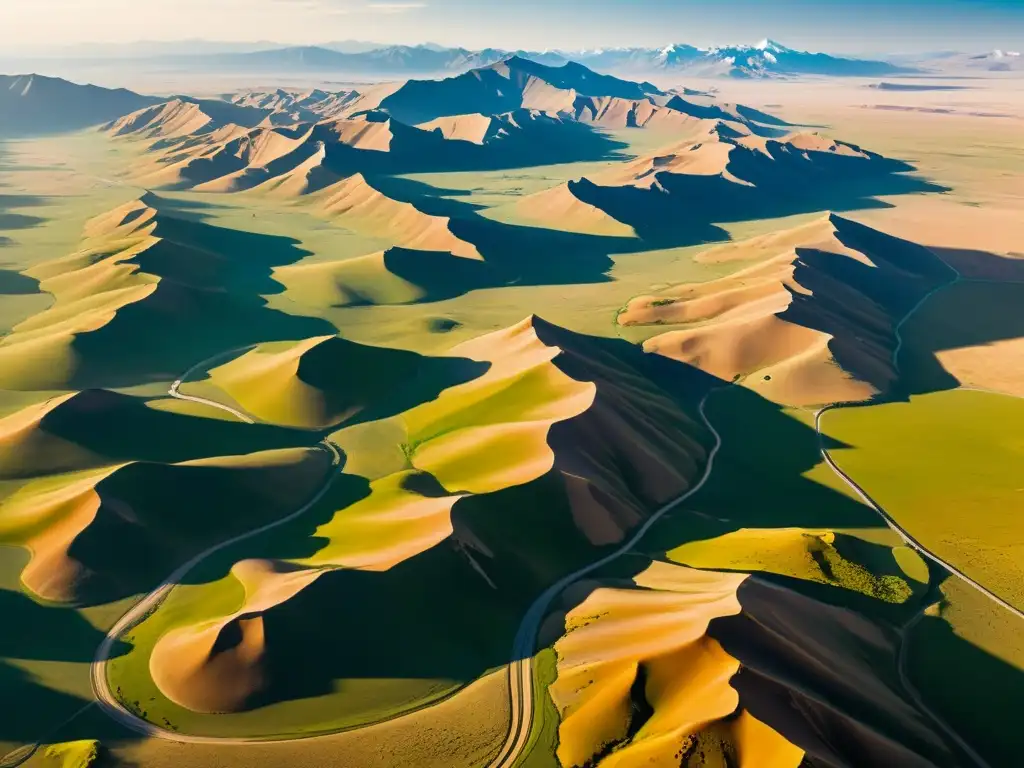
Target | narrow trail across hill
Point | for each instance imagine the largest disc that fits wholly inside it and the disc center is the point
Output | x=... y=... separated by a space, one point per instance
x=521 y=676
x=520 y=670
x=105 y=699
x=889 y=520
x=907 y=537
x=908 y=686
x=175 y=390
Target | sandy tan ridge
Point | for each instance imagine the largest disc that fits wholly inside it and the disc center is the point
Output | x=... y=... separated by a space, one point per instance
x=545 y=393
x=812 y=321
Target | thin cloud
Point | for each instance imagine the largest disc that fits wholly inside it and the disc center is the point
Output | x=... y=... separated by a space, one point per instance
x=394 y=7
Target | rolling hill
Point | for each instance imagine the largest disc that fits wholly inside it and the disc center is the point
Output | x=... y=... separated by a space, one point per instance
x=191 y=150
x=725 y=173
x=36 y=105
x=694 y=666
x=172 y=291
x=455 y=485
x=811 y=321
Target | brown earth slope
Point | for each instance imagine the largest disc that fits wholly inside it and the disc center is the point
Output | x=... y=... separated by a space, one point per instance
x=812 y=321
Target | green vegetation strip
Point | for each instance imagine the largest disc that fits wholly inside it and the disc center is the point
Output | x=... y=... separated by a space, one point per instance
x=946 y=466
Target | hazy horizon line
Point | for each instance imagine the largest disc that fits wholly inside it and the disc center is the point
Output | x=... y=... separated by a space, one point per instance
x=381 y=45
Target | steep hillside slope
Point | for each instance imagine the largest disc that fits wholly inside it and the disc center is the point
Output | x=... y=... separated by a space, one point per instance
x=457 y=485
x=812 y=321
x=724 y=173
x=37 y=105
x=147 y=296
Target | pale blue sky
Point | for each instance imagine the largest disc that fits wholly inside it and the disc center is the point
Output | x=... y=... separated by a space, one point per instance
x=831 y=25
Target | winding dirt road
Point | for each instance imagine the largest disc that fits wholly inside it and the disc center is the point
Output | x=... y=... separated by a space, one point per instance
x=889 y=520
x=895 y=526
x=524 y=646
x=105 y=699
x=909 y=539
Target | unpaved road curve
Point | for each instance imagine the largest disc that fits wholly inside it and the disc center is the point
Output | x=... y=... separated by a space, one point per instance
x=895 y=526
x=520 y=670
x=902 y=532
x=105 y=699
x=908 y=686
x=909 y=539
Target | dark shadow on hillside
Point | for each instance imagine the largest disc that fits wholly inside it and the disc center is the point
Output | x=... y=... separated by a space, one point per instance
x=961 y=315
x=29 y=710
x=218 y=258
x=981 y=693
x=778 y=191
x=760 y=478
x=8 y=201
x=532 y=141
x=175 y=327
x=118 y=428
x=154 y=517
x=370 y=382
x=826 y=678
x=12 y=221
x=531 y=255
x=35 y=105
x=47 y=633
x=430 y=199
x=16 y=284
x=6 y=242
x=209 y=299
x=983 y=265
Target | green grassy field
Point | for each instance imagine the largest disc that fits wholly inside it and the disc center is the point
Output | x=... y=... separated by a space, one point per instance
x=947 y=467
x=968 y=664
x=968 y=333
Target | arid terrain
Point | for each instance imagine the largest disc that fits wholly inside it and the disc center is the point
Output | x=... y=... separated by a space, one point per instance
x=529 y=416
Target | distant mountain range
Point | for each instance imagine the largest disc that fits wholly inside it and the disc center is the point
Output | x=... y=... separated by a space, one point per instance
x=366 y=61
x=354 y=58
x=766 y=59
x=32 y=104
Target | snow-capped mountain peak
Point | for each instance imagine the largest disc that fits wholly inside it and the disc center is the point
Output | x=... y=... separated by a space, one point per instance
x=767 y=44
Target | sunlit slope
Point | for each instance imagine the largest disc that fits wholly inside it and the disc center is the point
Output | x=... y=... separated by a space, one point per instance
x=394 y=276
x=326 y=381
x=104 y=533
x=571 y=92
x=170 y=120
x=145 y=297
x=360 y=206
x=812 y=321
x=457 y=487
x=721 y=172
x=183 y=116
x=686 y=667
